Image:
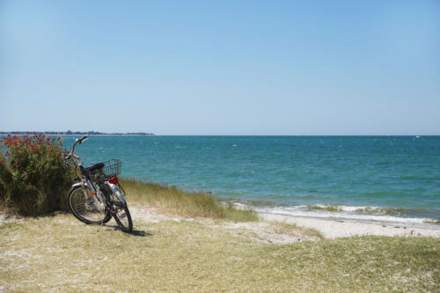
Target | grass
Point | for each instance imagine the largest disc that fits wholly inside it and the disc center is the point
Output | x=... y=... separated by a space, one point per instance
x=292 y=229
x=60 y=253
x=190 y=204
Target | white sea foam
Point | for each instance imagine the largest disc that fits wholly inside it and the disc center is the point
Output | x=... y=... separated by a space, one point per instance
x=342 y=212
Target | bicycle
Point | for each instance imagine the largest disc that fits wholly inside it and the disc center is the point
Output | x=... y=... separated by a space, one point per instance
x=97 y=194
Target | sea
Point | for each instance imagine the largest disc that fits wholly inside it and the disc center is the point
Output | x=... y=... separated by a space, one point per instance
x=383 y=178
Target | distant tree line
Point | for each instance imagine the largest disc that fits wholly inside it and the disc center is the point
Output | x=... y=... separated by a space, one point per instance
x=69 y=132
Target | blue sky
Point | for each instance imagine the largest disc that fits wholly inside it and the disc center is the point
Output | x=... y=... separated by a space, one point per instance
x=221 y=67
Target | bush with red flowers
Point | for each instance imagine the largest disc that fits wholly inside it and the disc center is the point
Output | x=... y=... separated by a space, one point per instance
x=33 y=177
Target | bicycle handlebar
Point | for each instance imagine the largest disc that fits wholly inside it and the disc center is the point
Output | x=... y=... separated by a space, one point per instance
x=77 y=141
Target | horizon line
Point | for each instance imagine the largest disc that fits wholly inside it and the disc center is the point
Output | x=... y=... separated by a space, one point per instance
x=149 y=133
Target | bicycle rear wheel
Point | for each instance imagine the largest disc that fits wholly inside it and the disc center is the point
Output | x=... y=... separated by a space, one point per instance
x=89 y=210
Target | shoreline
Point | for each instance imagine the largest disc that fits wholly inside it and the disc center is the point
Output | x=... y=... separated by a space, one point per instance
x=361 y=214
x=331 y=224
x=337 y=224
x=346 y=212
x=332 y=228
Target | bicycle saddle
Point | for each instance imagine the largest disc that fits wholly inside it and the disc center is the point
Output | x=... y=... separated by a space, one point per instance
x=95 y=167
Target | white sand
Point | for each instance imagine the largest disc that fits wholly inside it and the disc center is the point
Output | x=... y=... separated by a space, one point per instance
x=151 y=215
x=262 y=231
x=329 y=228
x=4 y=219
x=332 y=228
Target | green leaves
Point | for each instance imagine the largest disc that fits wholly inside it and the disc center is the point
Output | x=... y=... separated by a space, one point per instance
x=33 y=177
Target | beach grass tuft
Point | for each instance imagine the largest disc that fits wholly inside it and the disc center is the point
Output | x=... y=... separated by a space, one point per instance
x=173 y=200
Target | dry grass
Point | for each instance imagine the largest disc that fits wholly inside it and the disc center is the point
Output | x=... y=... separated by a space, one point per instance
x=190 y=204
x=292 y=229
x=60 y=253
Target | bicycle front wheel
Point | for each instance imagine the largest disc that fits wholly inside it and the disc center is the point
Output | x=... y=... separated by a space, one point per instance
x=123 y=218
x=87 y=209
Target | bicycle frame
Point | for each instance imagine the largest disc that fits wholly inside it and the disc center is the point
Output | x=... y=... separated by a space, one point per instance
x=79 y=169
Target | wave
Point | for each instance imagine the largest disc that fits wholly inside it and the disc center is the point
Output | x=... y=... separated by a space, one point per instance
x=363 y=209
x=360 y=213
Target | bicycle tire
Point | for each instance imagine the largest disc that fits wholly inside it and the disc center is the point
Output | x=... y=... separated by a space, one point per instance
x=126 y=226
x=74 y=209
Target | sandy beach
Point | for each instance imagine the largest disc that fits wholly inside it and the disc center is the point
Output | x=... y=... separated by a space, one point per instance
x=327 y=227
x=334 y=228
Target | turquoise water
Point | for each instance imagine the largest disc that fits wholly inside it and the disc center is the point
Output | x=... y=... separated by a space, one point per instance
x=402 y=173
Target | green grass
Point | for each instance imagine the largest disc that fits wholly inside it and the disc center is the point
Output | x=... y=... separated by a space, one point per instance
x=191 y=204
x=60 y=253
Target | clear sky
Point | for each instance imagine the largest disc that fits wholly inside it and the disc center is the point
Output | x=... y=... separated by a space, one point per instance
x=221 y=67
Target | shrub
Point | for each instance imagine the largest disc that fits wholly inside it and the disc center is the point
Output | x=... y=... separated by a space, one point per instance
x=33 y=177
x=4 y=173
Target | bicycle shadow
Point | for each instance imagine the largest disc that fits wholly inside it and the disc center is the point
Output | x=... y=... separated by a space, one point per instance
x=135 y=232
x=140 y=233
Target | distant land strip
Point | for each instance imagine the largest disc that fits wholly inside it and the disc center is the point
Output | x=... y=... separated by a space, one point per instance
x=69 y=132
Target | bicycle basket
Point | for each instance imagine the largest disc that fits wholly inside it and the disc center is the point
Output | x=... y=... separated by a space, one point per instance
x=112 y=168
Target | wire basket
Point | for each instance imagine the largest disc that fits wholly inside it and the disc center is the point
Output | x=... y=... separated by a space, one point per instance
x=112 y=168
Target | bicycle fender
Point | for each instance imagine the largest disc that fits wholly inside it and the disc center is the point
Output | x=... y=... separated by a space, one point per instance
x=78 y=184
